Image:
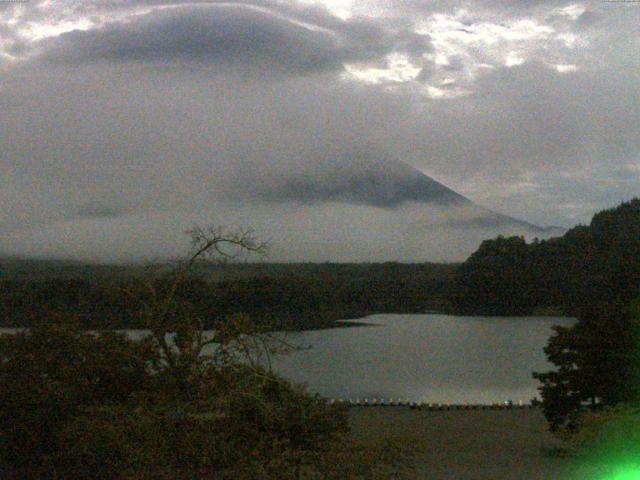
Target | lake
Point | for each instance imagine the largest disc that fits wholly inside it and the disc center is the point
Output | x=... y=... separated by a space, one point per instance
x=430 y=358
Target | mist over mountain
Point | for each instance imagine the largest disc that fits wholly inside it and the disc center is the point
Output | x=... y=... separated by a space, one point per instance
x=342 y=207
x=126 y=123
x=381 y=182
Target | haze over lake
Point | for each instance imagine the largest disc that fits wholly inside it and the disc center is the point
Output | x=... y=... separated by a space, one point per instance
x=431 y=358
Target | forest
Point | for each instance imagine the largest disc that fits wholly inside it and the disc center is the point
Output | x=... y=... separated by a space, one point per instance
x=505 y=276
x=284 y=296
x=589 y=264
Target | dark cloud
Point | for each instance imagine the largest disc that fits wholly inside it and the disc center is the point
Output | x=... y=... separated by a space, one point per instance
x=223 y=35
x=217 y=35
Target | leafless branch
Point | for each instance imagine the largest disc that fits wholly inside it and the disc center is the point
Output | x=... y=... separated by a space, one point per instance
x=207 y=244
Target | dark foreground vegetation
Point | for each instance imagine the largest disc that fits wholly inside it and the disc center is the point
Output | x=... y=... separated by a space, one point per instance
x=80 y=406
x=174 y=404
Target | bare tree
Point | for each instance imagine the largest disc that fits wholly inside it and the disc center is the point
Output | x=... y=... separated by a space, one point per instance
x=181 y=336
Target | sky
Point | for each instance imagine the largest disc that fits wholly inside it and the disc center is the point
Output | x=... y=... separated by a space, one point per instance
x=126 y=122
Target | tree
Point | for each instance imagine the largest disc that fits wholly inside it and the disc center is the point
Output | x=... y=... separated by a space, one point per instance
x=598 y=364
x=496 y=279
x=588 y=264
x=177 y=403
x=177 y=331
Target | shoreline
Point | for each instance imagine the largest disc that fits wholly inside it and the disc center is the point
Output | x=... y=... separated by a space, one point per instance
x=355 y=320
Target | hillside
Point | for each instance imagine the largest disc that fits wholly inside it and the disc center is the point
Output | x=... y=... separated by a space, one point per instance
x=508 y=276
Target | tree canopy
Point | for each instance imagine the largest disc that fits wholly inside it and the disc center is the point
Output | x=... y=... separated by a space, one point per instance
x=589 y=264
x=597 y=363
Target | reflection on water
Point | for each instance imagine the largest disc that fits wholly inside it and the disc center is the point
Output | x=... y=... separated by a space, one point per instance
x=431 y=358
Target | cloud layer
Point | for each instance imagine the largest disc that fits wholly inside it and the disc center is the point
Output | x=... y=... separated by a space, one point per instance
x=312 y=119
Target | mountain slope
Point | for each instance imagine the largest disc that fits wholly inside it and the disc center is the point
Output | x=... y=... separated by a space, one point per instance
x=382 y=183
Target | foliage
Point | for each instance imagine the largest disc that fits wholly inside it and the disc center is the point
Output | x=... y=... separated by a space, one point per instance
x=263 y=429
x=589 y=264
x=120 y=413
x=496 y=279
x=598 y=364
x=51 y=372
x=174 y=404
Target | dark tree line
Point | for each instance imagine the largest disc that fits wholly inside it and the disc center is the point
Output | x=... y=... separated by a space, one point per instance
x=289 y=297
x=589 y=264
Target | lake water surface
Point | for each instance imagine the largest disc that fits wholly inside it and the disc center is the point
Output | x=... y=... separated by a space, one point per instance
x=430 y=358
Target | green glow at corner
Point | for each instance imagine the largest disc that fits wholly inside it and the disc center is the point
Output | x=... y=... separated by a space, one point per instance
x=626 y=472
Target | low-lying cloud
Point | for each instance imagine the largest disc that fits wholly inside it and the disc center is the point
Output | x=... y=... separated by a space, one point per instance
x=125 y=123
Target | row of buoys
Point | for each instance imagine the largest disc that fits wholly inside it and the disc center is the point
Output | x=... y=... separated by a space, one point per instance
x=376 y=402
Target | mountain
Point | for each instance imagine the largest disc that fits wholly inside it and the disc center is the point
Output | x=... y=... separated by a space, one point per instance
x=387 y=184
x=339 y=208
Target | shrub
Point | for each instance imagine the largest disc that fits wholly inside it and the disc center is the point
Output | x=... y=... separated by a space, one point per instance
x=47 y=374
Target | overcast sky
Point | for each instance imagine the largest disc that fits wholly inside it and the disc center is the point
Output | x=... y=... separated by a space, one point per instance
x=125 y=122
